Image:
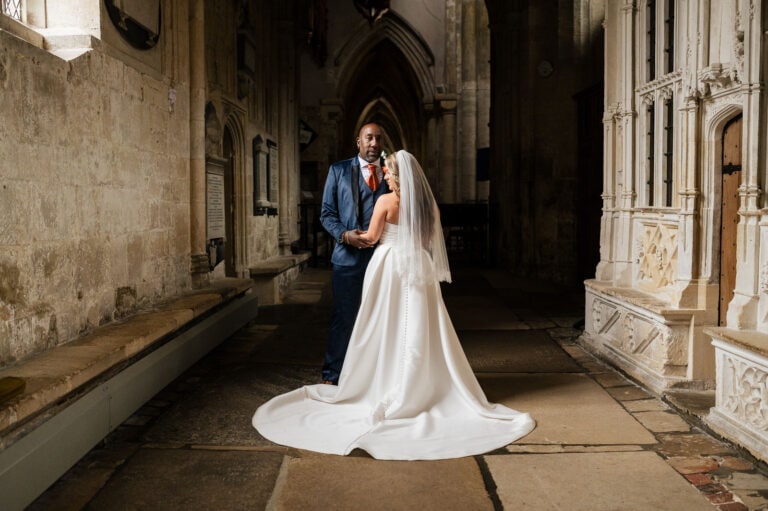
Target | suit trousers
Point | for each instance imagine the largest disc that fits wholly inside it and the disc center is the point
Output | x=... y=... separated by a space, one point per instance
x=347 y=284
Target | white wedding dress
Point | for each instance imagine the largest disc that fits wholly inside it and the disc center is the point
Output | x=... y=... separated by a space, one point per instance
x=406 y=391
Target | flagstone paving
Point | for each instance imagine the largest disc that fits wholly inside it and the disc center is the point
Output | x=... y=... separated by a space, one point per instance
x=601 y=442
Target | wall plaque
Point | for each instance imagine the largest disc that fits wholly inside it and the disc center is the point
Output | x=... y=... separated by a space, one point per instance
x=215 y=217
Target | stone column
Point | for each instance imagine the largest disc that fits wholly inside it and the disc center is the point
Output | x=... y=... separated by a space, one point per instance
x=431 y=147
x=624 y=171
x=604 y=270
x=447 y=103
x=483 y=77
x=742 y=313
x=468 y=104
x=287 y=129
x=508 y=58
x=689 y=246
x=447 y=171
x=197 y=211
x=687 y=259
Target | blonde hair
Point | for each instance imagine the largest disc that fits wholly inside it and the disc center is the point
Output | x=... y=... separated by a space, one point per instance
x=394 y=171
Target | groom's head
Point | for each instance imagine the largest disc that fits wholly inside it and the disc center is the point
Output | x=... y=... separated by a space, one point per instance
x=369 y=141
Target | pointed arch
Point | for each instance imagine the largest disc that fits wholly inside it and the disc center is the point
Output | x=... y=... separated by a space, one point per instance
x=381 y=111
x=386 y=77
x=401 y=34
x=712 y=152
x=234 y=125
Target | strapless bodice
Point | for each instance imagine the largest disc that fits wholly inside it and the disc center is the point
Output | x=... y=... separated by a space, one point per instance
x=389 y=234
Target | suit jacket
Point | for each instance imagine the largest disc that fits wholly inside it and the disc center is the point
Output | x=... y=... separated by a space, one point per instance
x=342 y=209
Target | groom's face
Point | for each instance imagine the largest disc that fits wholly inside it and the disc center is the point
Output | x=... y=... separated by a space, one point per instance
x=369 y=142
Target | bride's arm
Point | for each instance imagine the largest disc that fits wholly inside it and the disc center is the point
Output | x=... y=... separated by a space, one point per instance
x=376 y=227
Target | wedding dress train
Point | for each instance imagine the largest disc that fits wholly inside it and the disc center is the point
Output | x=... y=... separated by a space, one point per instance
x=406 y=390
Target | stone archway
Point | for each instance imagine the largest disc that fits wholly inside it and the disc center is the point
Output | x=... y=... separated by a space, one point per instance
x=231 y=241
x=386 y=92
x=380 y=111
x=386 y=77
x=237 y=201
x=711 y=188
x=412 y=51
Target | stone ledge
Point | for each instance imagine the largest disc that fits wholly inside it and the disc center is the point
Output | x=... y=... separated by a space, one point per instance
x=642 y=300
x=752 y=340
x=21 y=31
x=276 y=265
x=52 y=376
x=270 y=277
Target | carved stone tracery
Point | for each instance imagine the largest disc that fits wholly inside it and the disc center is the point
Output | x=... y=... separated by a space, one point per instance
x=717 y=76
x=658 y=255
x=747 y=395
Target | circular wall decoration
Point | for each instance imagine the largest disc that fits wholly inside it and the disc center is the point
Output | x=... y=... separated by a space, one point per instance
x=545 y=68
x=137 y=21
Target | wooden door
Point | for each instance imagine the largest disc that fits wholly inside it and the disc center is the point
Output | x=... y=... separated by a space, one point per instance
x=729 y=213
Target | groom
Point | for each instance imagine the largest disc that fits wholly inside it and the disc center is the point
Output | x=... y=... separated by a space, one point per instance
x=351 y=190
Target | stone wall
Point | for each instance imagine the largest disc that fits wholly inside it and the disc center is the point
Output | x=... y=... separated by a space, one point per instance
x=94 y=193
x=544 y=55
x=662 y=236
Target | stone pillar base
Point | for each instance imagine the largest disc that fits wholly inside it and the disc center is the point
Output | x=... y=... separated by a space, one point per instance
x=200 y=270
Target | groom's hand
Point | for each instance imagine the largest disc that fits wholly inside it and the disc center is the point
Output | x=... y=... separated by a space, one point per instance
x=354 y=239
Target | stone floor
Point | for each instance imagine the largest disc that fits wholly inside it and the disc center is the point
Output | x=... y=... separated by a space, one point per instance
x=601 y=442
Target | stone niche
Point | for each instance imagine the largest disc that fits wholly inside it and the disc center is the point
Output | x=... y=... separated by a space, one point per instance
x=265 y=177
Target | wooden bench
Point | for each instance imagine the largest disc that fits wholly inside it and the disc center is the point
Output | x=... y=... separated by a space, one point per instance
x=78 y=392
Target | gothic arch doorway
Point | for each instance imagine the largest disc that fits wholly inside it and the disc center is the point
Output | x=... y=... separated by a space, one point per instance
x=228 y=149
x=730 y=166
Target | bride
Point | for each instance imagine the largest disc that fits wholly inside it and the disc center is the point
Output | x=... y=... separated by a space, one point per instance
x=406 y=390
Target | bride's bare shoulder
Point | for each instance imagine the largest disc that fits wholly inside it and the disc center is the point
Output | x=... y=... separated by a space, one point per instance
x=388 y=198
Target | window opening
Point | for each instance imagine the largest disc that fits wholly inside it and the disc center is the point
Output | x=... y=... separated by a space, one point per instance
x=11 y=8
x=668 y=138
x=651 y=40
x=669 y=36
x=650 y=134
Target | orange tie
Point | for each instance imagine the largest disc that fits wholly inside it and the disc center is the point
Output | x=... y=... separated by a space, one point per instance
x=373 y=179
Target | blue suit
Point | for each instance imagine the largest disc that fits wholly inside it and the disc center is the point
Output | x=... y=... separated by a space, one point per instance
x=347 y=205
